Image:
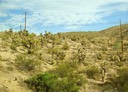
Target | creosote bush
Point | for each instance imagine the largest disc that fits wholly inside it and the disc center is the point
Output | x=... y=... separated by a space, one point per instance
x=13 y=47
x=62 y=79
x=92 y=72
x=56 y=53
x=65 y=46
x=27 y=63
x=79 y=56
x=121 y=81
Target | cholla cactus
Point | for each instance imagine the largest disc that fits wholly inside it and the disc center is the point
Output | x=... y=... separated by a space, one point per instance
x=103 y=71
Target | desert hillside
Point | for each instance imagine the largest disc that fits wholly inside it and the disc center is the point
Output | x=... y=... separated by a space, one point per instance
x=64 y=62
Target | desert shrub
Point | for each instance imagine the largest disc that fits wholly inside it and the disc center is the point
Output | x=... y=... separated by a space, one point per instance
x=60 y=55
x=74 y=38
x=83 y=43
x=58 y=42
x=7 y=35
x=119 y=64
x=4 y=45
x=99 y=56
x=92 y=72
x=125 y=43
x=115 y=58
x=65 y=46
x=10 y=68
x=104 y=48
x=116 y=46
x=62 y=79
x=121 y=82
x=81 y=57
x=78 y=56
x=0 y=57
x=42 y=82
x=26 y=63
x=93 y=41
x=29 y=43
x=67 y=68
x=13 y=47
x=52 y=50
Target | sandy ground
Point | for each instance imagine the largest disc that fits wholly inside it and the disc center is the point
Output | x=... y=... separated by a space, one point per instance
x=11 y=80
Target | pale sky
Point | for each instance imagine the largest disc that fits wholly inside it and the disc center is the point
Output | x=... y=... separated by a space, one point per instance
x=62 y=15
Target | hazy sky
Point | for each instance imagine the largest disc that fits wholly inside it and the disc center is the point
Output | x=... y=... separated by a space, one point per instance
x=62 y=15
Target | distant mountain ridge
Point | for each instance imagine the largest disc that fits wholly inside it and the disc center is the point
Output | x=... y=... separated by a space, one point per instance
x=115 y=31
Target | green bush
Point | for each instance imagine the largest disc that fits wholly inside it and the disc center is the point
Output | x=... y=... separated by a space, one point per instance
x=62 y=79
x=42 y=82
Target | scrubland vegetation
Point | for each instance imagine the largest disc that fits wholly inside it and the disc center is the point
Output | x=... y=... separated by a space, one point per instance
x=64 y=62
